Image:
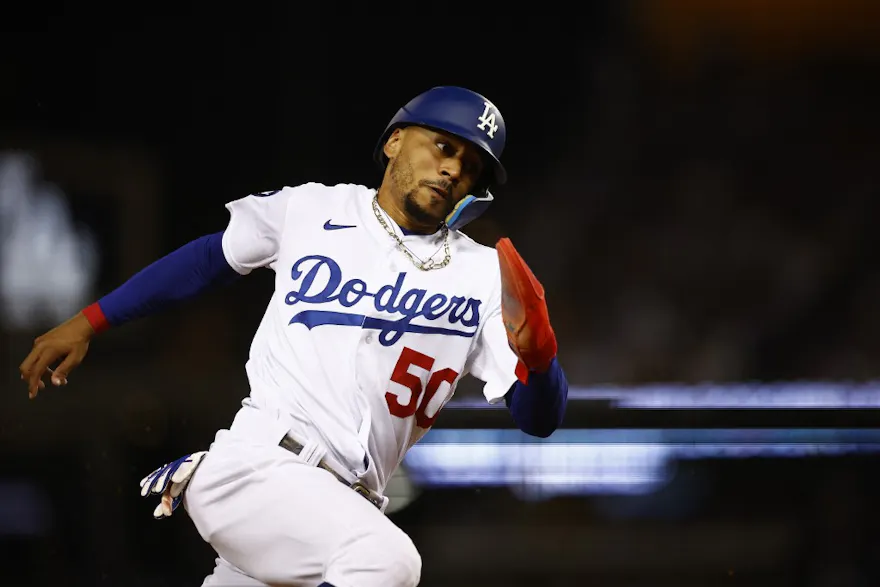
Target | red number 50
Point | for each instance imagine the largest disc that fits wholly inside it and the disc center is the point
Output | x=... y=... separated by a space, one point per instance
x=402 y=376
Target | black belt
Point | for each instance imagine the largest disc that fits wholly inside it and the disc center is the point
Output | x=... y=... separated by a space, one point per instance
x=295 y=447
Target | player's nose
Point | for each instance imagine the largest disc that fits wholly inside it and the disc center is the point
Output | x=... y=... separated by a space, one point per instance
x=451 y=168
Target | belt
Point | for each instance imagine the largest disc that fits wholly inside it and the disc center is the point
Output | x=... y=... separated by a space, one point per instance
x=296 y=448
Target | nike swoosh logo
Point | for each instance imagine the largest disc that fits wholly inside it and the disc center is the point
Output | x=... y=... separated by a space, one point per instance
x=329 y=226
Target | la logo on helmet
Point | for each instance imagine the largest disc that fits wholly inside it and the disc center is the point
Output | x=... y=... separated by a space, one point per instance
x=488 y=119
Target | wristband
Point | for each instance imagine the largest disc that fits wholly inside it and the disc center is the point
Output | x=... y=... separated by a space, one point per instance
x=95 y=315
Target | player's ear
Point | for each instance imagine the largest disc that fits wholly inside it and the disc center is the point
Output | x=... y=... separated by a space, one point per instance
x=394 y=142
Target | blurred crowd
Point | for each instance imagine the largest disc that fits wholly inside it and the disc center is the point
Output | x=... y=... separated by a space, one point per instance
x=715 y=224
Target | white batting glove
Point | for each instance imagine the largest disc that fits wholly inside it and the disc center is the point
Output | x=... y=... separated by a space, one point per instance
x=169 y=481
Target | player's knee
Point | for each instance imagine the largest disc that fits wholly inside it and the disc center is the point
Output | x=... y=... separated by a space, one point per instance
x=389 y=558
x=404 y=562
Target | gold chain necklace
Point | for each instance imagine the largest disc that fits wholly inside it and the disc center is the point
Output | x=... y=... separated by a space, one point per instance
x=423 y=265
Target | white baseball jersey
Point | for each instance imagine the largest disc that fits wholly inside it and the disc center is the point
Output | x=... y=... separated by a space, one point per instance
x=358 y=346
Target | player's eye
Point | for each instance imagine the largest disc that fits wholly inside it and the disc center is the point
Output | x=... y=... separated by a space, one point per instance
x=445 y=148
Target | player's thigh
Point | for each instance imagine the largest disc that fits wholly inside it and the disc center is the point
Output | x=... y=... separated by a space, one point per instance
x=287 y=523
x=226 y=575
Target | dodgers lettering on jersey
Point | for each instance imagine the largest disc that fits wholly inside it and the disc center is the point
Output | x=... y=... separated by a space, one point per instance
x=357 y=346
x=409 y=304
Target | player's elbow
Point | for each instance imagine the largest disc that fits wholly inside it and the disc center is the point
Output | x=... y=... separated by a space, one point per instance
x=540 y=432
x=541 y=429
x=540 y=421
x=535 y=413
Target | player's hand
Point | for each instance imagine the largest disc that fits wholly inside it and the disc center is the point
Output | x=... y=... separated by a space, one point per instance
x=67 y=342
x=169 y=481
x=524 y=312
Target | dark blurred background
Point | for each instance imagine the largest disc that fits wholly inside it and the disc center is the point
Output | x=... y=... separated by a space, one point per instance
x=695 y=183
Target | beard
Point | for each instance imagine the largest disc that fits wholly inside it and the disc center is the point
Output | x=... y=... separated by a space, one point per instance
x=417 y=212
x=402 y=176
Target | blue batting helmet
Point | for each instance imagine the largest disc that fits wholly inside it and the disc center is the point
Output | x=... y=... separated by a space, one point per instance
x=465 y=114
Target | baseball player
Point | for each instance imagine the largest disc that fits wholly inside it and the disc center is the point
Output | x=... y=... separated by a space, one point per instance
x=381 y=305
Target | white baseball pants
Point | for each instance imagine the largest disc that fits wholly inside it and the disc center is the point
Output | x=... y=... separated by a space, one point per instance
x=275 y=520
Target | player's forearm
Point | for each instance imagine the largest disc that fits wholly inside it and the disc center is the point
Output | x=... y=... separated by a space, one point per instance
x=183 y=274
x=539 y=406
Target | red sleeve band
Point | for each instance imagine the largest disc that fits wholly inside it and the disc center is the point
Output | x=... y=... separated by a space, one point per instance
x=95 y=315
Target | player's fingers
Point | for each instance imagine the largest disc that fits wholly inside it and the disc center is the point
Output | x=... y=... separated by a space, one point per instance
x=35 y=377
x=70 y=362
x=149 y=486
x=166 y=506
x=186 y=469
x=161 y=511
x=29 y=360
x=160 y=482
x=30 y=373
x=168 y=497
x=175 y=489
x=181 y=474
x=146 y=483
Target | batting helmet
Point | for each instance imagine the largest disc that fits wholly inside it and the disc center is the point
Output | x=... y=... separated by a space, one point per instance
x=465 y=114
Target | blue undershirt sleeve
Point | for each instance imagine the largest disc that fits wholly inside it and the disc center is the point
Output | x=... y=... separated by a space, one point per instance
x=179 y=276
x=539 y=406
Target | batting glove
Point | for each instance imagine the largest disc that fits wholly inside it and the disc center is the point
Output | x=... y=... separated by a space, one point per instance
x=169 y=481
x=524 y=312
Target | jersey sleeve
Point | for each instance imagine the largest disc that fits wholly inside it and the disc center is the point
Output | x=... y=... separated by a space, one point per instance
x=492 y=360
x=256 y=224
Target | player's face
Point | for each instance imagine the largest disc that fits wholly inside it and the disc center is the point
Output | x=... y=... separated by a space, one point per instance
x=431 y=172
